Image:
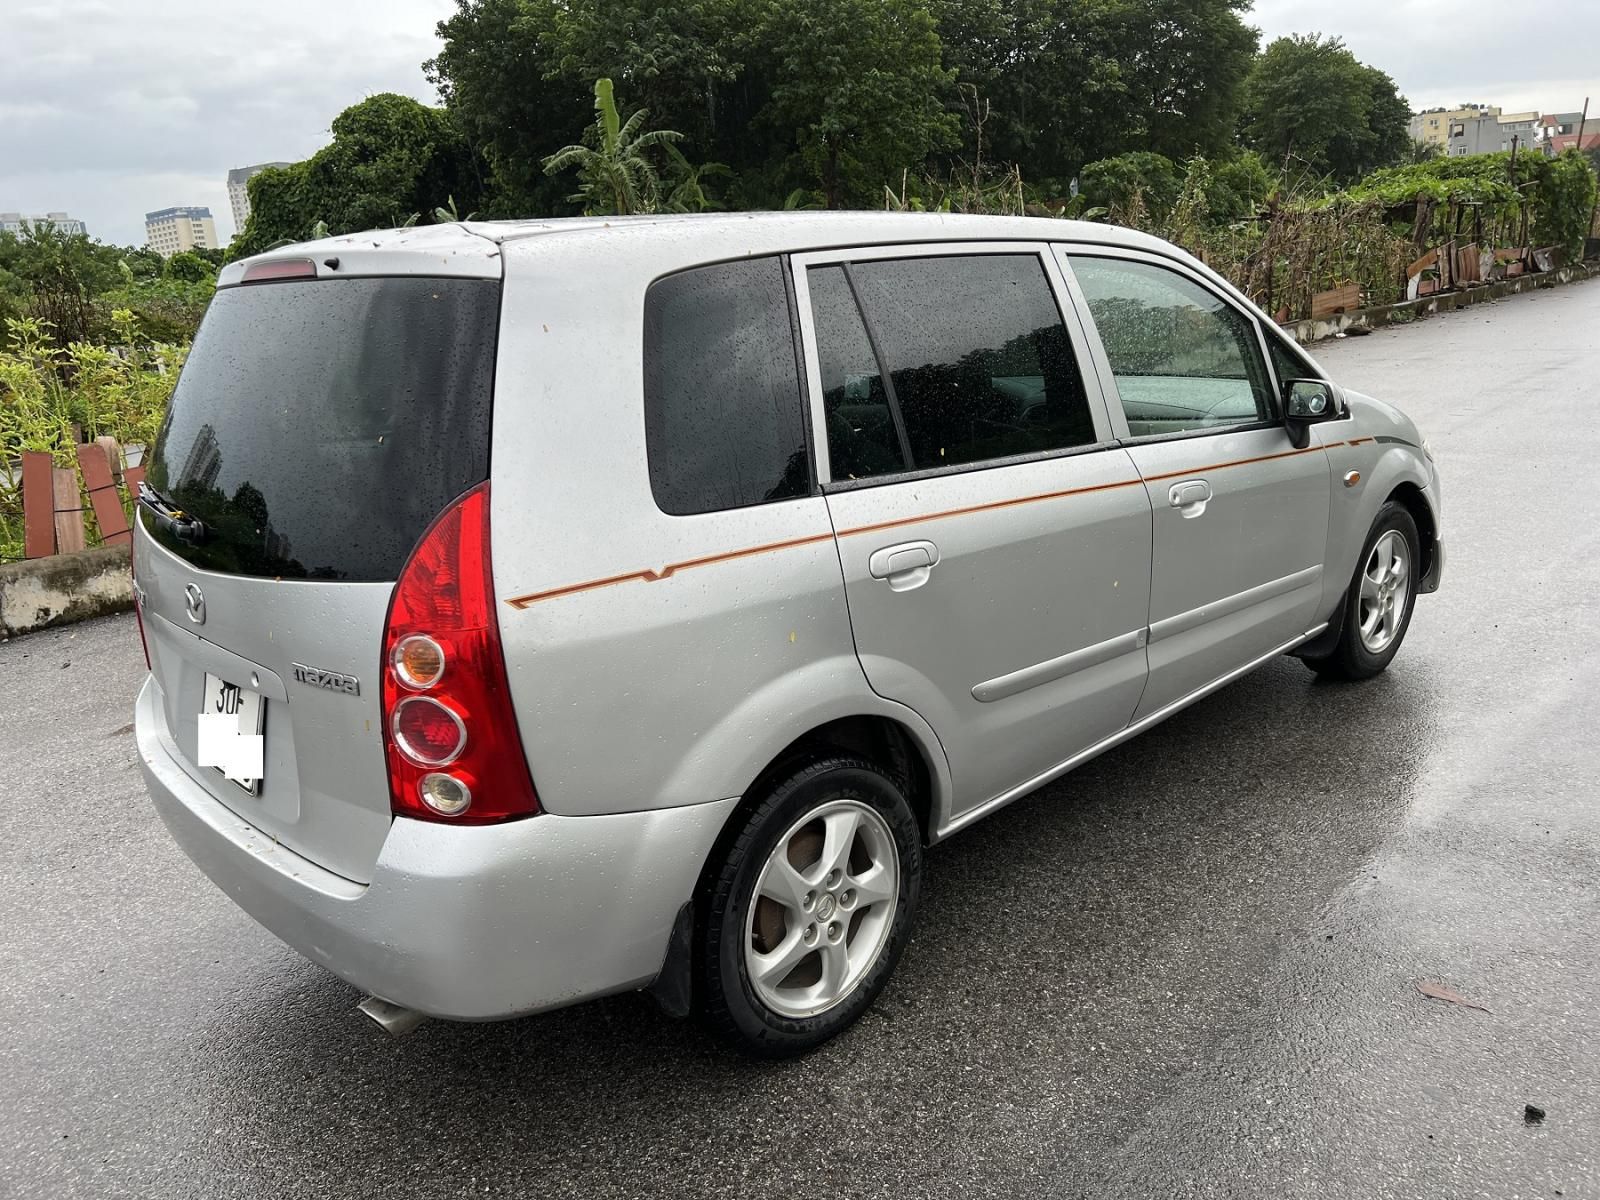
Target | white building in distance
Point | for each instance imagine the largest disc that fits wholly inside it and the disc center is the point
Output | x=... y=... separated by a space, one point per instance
x=172 y=230
x=239 y=194
x=17 y=222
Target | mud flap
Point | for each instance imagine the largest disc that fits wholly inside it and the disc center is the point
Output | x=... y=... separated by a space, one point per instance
x=673 y=988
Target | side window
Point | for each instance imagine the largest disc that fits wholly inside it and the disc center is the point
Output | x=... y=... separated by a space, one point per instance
x=863 y=436
x=1287 y=364
x=1183 y=358
x=933 y=362
x=724 y=418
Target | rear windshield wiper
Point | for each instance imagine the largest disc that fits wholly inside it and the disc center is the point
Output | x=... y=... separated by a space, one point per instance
x=170 y=518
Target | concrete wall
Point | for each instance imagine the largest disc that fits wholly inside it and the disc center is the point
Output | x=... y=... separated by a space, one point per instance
x=42 y=592
x=1316 y=329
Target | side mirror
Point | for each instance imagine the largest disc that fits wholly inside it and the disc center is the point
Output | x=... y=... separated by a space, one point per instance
x=1305 y=402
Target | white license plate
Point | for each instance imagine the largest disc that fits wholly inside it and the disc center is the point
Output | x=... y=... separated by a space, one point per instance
x=229 y=738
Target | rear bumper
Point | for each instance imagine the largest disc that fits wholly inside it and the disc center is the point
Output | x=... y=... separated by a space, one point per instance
x=470 y=923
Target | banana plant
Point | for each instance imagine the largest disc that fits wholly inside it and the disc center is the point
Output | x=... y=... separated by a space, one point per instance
x=446 y=214
x=615 y=174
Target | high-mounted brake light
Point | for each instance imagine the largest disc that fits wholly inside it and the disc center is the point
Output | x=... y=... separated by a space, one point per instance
x=280 y=268
x=449 y=731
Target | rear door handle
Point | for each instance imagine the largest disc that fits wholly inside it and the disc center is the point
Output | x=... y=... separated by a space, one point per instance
x=904 y=566
x=1190 y=496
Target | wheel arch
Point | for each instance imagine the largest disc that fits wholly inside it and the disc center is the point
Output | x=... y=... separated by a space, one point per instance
x=878 y=738
x=1409 y=496
x=911 y=755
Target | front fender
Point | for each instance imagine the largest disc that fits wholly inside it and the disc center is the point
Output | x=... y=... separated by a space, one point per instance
x=1383 y=447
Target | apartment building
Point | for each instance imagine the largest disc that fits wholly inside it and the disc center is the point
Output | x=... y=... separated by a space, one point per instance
x=11 y=222
x=1433 y=125
x=172 y=230
x=1487 y=135
x=239 y=193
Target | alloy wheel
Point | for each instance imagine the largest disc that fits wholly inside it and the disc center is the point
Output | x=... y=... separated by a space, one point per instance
x=1385 y=588
x=823 y=908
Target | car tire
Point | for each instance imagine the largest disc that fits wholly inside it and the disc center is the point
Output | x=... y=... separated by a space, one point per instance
x=1378 y=602
x=824 y=869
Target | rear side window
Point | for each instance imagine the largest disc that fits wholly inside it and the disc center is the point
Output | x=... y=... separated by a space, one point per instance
x=969 y=362
x=864 y=438
x=319 y=426
x=724 y=421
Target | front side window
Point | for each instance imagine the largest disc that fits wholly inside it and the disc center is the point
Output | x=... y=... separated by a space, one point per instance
x=724 y=419
x=1183 y=358
x=941 y=362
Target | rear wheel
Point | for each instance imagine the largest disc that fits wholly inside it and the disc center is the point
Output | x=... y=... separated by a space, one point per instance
x=810 y=907
x=1379 y=600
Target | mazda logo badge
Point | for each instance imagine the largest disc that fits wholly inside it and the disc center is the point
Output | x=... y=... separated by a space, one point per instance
x=195 y=600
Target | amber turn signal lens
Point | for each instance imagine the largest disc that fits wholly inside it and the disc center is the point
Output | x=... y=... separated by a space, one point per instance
x=418 y=661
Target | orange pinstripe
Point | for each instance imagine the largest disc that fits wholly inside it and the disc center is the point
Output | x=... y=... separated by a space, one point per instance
x=651 y=576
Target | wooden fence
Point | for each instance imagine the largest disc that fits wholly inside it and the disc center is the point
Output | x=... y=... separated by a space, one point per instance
x=53 y=503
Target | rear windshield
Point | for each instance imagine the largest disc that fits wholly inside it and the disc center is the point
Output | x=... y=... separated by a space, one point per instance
x=319 y=426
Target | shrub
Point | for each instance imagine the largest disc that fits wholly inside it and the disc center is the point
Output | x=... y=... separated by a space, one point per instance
x=1130 y=182
x=1564 y=196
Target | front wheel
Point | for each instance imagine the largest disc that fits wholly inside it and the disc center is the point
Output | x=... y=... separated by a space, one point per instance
x=1379 y=601
x=810 y=907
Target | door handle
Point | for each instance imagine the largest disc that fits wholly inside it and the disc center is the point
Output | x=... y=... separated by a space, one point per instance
x=1190 y=496
x=904 y=566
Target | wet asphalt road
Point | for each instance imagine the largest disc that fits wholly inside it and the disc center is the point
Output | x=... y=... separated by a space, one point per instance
x=1187 y=969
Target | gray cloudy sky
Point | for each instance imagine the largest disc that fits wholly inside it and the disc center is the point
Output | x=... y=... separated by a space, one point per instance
x=112 y=109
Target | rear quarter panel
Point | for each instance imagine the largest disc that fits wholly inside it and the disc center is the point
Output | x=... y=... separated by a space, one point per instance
x=654 y=660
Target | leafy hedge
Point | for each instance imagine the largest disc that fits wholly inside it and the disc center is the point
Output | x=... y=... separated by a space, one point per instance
x=1559 y=192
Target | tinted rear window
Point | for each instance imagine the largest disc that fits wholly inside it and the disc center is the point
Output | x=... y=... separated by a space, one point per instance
x=724 y=422
x=318 y=427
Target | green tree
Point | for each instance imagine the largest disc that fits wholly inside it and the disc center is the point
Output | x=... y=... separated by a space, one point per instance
x=615 y=173
x=1308 y=102
x=499 y=72
x=1422 y=151
x=188 y=267
x=57 y=277
x=1182 y=64
x=674 y=59
x=854 y=87
x=1240 y=184
x=390 y=157
x=1073 y=81
x=1128 y=182
x=144 y=263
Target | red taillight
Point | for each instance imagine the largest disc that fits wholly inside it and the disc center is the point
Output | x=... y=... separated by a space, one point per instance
x=453 y=750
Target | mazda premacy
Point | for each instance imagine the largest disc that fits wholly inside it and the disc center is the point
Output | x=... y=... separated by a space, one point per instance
x=541 y=610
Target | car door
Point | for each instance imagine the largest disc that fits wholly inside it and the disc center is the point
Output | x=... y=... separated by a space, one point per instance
x=1240 y=512
x=995 y=540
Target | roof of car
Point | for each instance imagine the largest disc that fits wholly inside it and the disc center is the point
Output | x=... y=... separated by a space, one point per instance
x=471 y=248
x=808 y=227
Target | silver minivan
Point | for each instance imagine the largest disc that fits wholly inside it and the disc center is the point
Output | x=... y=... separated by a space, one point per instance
x=547 y=609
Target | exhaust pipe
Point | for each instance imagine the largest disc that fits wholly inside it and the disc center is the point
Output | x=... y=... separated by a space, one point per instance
x=391 y=1018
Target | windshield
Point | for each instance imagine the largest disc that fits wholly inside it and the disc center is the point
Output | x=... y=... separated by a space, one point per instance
x=319 y=426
